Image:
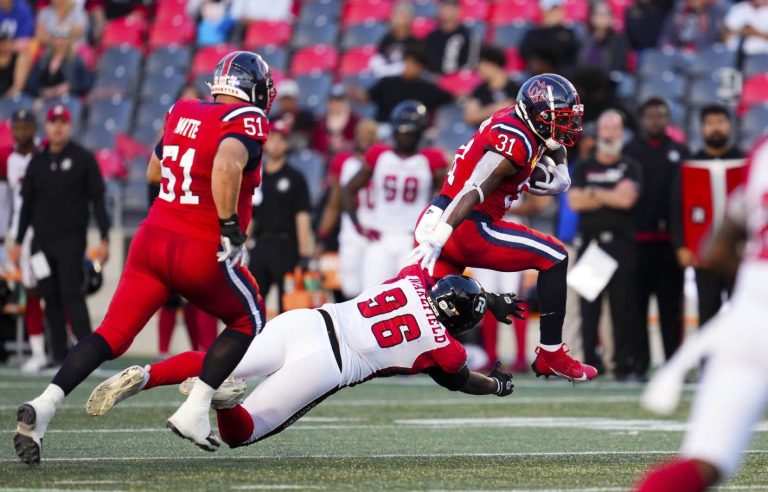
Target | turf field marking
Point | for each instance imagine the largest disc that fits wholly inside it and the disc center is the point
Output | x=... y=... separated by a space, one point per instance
x=276 y=486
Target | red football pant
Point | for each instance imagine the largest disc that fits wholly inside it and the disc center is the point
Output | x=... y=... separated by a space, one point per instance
x=160 y=262
x=33 y=316
x=201 y=327
x=500 y=245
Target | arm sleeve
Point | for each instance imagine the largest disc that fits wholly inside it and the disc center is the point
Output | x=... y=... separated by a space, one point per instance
x=452 y=381
x=28 y=201
x=95 y=190
x=373 y=154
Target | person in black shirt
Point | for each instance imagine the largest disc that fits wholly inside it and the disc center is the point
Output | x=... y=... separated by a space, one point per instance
x=391 y=49
x=450 y=44
x=716 y=131
x=8 y=66
x=497 y=90
x=59 y=71
x=657 y=267
x=388 y=92
x=282 y=228
x=59 y=185
x=553 y=46
x=604 y=191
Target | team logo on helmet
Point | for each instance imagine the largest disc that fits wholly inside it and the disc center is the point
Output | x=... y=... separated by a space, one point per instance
x=539 y=91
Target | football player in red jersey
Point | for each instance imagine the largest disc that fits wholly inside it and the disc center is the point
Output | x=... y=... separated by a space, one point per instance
x=192 y=242
x=464 y=225
x=404 y=326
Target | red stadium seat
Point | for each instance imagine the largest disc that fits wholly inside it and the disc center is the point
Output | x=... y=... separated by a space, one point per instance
x=314 y=59
x=168 y=9
x=515 y=62
x=755 y=90
x=475 y=10
x=127 y=30
x=205 y=59
x=6 y=138
x=356 y=60
x=277 y=76
x=576 y=10
x=267 y=33
x=618 y=7
x=179 y=30
x=460 y=83
x=359 y=11
x=423 y=26
x=509 y=11
x=110 y=164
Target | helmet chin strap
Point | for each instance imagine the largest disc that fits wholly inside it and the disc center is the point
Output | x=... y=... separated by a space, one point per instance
x=551 y=143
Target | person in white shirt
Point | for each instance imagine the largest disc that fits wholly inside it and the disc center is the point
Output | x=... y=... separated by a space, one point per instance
x=748 y=21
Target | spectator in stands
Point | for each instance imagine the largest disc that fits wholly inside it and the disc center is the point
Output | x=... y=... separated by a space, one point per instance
x=246 y=11
x=60 y=186
x=450 y=44
x=299 y=120
x=214 y=21
x=495 y=92
x=103 y=11
x=716 y=131
x=746 y=26
x=552 y=46
x=694 y=24
x=643 y=21
x=604 y=191
x=59 y=71
x=604 y=47
x=387 y=92
x=61 y=15
x=17 y=26
x=657 y=267
x=281 y=220
x=335 y=132
x=391 y=50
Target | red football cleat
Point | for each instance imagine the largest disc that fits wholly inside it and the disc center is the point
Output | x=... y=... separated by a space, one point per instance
x=560 y=364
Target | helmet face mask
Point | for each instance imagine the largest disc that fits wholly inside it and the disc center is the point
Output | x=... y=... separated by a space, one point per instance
x=459 y=303
x=550 y=106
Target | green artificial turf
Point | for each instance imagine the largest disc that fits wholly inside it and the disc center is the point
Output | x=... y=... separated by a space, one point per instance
x=392 y=434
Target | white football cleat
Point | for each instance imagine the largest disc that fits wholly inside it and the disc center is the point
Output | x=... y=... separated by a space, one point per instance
x=34 y=365
x=191 y=422
x=126 y=383
x=32 y=419
x=229 y=394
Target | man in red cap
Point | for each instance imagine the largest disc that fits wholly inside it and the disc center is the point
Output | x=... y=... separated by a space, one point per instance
x=59 y=185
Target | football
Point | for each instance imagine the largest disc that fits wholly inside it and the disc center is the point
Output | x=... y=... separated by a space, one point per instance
x=543 y=171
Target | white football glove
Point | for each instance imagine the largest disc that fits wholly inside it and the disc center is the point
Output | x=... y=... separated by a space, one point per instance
x=429 y=250
x=238 y=255
x=561 y=182
x=427 y=223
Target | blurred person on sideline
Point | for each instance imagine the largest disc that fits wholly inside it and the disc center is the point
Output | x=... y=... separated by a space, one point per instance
x=281 y=221
x=335 y=131
x=716 y=130
x=351 y=244
x=23 y=129
x=60 y=185
x=299 y=120
x=604 y=191
x=496 y=91
x=657 y=269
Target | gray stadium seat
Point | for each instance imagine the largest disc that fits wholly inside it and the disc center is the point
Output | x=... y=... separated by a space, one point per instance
x=319 y=8
x=362 y=34
x=708 y=60
x=179 y=57
x=668 y=85
x=163 y=86
x=754 y=123
x=275 y=57
x=424 y=8
x=510 y=35
x=755 y=64
x=116 y=72
x=313 y=91
x=114 y=115
x=652 y=63
x=478 y=29
x=706 y=90
x=446 y=117
x=150 y=118
x=451 y=139
x=321 y=30
x=312 y=166
x=98 y=137
x=9 y=105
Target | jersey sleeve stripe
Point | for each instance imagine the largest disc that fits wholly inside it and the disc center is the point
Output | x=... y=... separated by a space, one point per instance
x=239 y=111
x=528 y=243
x=512 y=130
x=247 y=296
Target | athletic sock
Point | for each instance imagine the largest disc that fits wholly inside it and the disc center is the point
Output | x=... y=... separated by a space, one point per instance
x=552 y=291
x=235 y=425
x=37 y=343
x=676 y=476
x=175 y=370
x=520 y=328
x=81 y=361
x=201 y=394
x=223 y=356
x=52 y=394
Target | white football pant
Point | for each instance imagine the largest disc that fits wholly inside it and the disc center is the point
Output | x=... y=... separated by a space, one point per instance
x=351 y=251
x=384 y=258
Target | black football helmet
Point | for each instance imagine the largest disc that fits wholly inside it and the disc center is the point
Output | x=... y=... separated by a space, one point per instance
x=409 y=120
x=245 y=75
x=92 y=276
x=458 y=302
x=550 y=106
